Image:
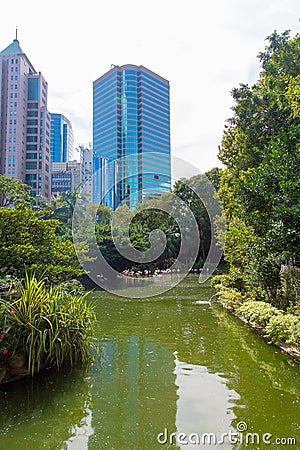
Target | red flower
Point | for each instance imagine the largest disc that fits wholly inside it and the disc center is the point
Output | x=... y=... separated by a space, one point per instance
x=2 y=336
x=12 y=311
x=5 y=352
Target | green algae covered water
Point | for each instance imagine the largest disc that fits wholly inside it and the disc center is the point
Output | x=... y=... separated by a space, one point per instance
x=170 y=372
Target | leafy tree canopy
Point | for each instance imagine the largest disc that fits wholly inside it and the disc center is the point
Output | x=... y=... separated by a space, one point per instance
x=13 y=191
x=261 y=151
x=28 y=244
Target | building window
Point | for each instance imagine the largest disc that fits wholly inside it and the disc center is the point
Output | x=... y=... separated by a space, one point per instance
x=31 y=176
x=31 y=165
x=32 y=121
x=32 y=130
x=31 y=156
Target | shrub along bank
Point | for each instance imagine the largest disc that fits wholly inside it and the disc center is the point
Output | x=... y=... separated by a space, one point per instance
x=43 y=326
x=279 y=327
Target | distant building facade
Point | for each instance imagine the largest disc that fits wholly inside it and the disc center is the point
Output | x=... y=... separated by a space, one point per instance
x=24 y=122
x=104 y=181
x=61 y=139
x=95 y=177
x=65 y=177
x=131 y=120
x=86 y=170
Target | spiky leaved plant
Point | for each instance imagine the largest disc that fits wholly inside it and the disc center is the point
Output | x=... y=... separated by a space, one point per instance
x=54 y=327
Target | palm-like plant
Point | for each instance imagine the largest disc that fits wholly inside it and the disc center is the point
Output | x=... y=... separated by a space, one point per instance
x=53 y=326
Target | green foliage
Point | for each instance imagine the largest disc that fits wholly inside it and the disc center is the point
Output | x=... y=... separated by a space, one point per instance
x=229 y=297
x=8 y=283
x=73 y=287
x=257 y=312
x=278 y=326
x=50 y=326
x=290 y=282
x=10 y=336
x=284 y=328
x=28 y=244
x=260 y=186
x=104 y=214
x=13 y=192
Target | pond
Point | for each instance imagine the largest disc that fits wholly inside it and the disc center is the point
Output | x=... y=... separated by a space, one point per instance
x=168 y=364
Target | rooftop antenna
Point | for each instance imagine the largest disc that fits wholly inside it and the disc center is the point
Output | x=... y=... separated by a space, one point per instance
x=16 y=32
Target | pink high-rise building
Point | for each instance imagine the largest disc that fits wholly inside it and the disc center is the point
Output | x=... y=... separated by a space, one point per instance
x=24 y=122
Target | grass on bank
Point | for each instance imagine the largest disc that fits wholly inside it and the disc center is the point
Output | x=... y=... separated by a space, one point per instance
x=49 y=325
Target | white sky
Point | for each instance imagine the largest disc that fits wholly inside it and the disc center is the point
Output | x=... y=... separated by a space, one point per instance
x=203 y=48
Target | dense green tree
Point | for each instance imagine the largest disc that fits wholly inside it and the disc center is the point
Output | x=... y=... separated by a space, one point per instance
x=13 y=191
x=260 y=184
x=28 y=244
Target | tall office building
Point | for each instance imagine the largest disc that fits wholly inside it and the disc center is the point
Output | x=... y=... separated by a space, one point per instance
x=61 y=139
x=131 y=120
x=24 y=121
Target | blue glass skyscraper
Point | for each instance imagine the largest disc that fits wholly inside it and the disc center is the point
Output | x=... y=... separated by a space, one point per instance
x=131 y=120
x=61 y=139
